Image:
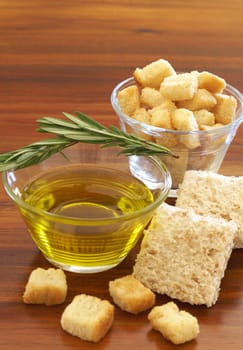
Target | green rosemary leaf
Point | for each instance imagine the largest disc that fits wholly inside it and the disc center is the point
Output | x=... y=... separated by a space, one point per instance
x=54 y=141
x=55 y=121
x=87 y=120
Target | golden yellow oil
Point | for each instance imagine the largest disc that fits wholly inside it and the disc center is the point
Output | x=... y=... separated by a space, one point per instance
x=84 y=233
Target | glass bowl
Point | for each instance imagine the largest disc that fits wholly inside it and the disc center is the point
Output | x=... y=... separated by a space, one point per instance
x=212 y=144
x=87 y=210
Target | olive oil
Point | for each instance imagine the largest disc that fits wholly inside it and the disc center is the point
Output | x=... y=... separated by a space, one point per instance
x=85 y=215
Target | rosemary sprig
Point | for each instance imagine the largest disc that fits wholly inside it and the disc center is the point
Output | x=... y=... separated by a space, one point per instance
x=79 y=128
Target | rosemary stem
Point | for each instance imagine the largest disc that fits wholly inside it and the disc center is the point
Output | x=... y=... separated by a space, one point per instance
x=79 y=128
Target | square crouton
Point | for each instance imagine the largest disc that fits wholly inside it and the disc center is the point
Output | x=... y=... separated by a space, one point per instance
x=88 y=317
x=216 y=195
x=179 y=87
x=142 y=115
x=204 y=117
x=225 y=108
x=169 y=105
x=175 y=325
x=151 y=97
x=129 y=99
x=154 y=73
x=210 y=82
x=184 y=255
x=131 y=295
x=160 y=117
x=202 y=99
x=183 y=119
x=47 y=287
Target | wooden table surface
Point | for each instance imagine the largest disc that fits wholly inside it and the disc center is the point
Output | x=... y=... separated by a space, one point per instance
x=68 y=55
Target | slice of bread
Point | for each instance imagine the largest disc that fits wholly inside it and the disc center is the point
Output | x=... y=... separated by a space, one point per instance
x=176 y=325
x=213 y=194
x=88 y=317
x=184 y=255
x=131 y=295
x=47 y=287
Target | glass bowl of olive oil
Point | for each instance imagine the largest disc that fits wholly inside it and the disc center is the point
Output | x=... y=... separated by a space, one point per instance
x=87 y=208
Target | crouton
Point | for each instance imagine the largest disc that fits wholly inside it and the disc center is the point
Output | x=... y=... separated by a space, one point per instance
x=129 y=99
x=179 y=87
x=154 y=73
x=177 y=326
x=183 y=119
x=88 y=317
x=225 y=108
x=210 y=82
x=160 y=117
x=204 y=117
x=47 y=287
x=142 y=115
x=202 y=99
x=131 y=295
x=150 y=97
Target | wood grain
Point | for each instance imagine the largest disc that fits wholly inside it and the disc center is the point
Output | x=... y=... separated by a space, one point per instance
x=68 y=55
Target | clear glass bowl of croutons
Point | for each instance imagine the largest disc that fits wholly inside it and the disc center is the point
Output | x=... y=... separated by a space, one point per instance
x=196 y=115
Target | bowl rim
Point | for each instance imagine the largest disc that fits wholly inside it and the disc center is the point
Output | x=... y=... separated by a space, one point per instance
x=21 y=204
x=154 y=129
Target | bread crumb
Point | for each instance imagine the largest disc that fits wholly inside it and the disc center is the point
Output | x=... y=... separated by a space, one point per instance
x=88 y=317
x=131 y=295
x=177 y=326
x=47 y=287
